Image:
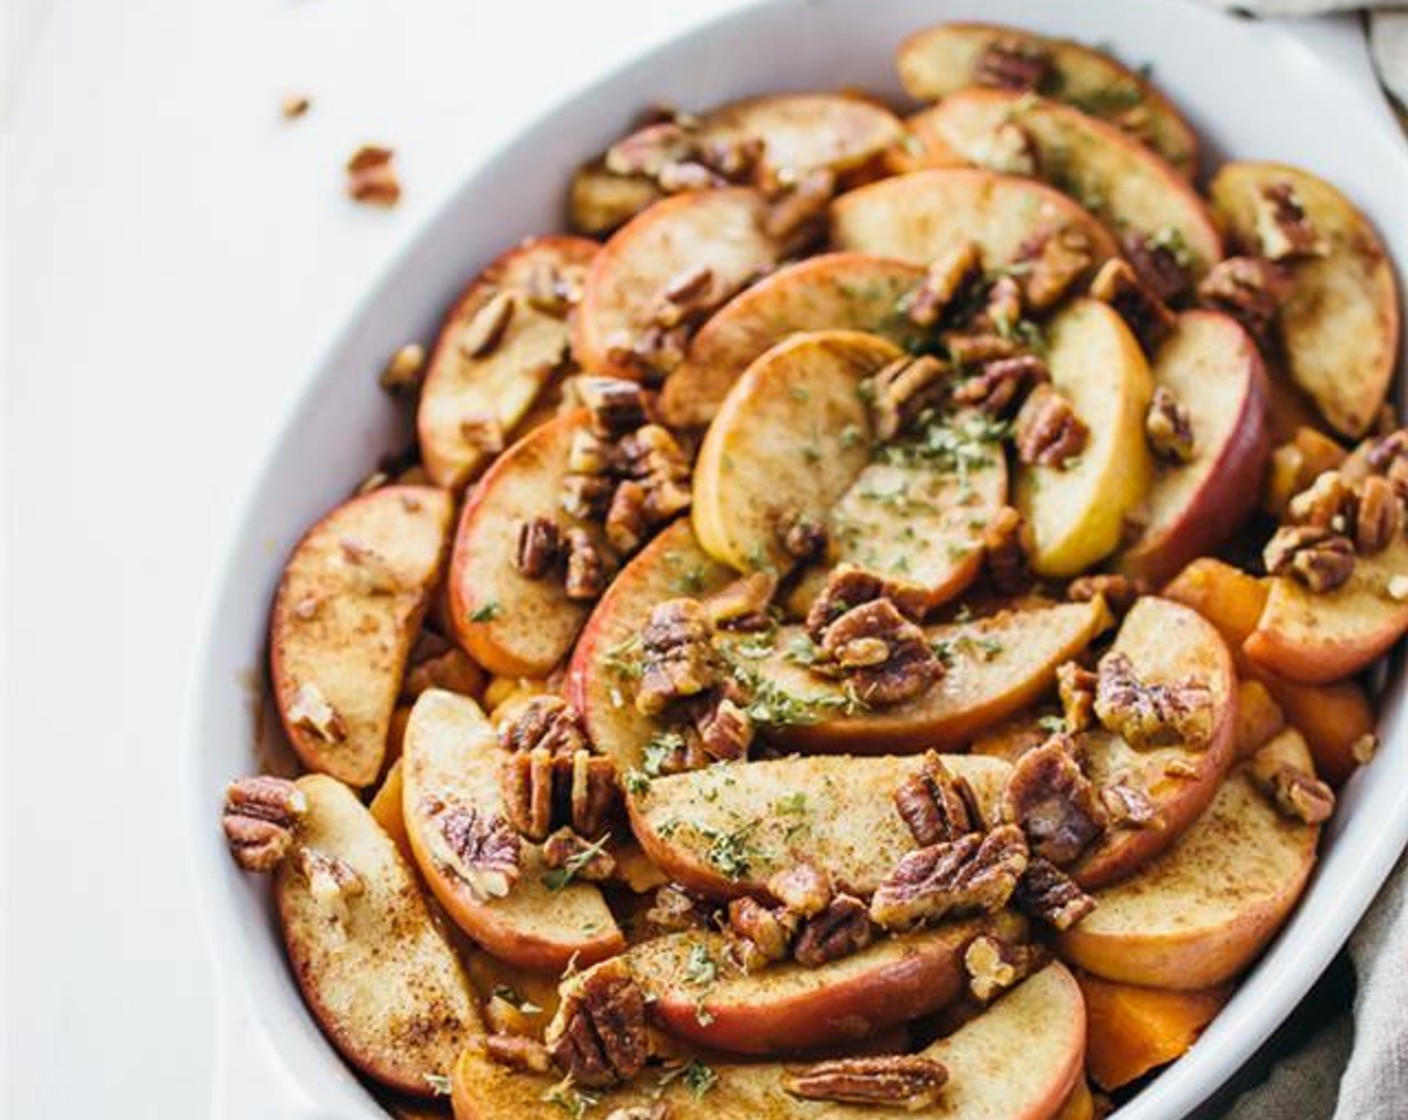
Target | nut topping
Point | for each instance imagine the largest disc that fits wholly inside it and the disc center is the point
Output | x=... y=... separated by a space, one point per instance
x=1009 y=148
x=1150 y=715
x=1168 y=427
x=485 y=329
x=627 y=519
x=311 y=711
x=1379 y=516
x=546 y=722
x=1050 y=895
x=617 y=406
x=483 y=433
x=678 y=657
x=847 y=587
x=1120 y=592
x=1005 y=553
x=725 y=729
x=1054 y=259
x=1127 y=806
x=1001 y=384
x=543 y=791
x=901 y=390
x=481 y=850
x=1160 y=262
x=798 y=214
x=973 y=875
x=371 y=178
x=902 y=1079
x=686 y=298
x=945 y=278
x=404 y=371
x=1018 y=64
x=527 y=1055
x=260 y=817
x=838 y=931
x=1075 y=685
x=587 y=571
x=762 y=934
x=743 y=604
x=1295 y=794
x=538 y=548
x=805 y=889
x=1319 y=558
x=1053 y=802
x=1047 y=430
x=1134 y=301
x=1327 y=503
x=804 y=540
x=674 y=909
x=880 y=652
x=1283 y=229
x=565 y=849
x=937 y=806
x=1247 y=288
x=599 y=1036
x=993 y=965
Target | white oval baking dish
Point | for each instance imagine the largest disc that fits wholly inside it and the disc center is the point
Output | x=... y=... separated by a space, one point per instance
x=1298 y=92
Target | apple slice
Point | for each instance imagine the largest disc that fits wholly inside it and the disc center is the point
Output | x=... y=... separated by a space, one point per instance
x=1112 y=175
x=942 y=60
x=483 y=378
x=1200 y=914
x=374 y=968
x=347 y=609
x=1339 y=327
x=1214 y=371
x=801 y=132
x=1019 y=1060
x=698 y=993
x=996 y=666
x=725 y=830
x=849 y=291
x=1319 y=637
x=1076 y=512
x=722 y=231
x=924 y=215
x=1168 y=645
x=600 y=682
x=452 y=759
x=510 y=624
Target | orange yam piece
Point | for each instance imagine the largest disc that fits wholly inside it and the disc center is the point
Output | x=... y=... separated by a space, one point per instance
x=1131 y=1030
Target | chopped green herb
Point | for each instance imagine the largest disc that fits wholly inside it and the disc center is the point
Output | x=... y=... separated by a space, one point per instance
x=801 y=393
x=558 y=878
x=623 y=659
x=1052 y=725
x=439 y=1084
x=509 y=996
x=659 y=749
x=487 y=613
x=570 y=1099
x=637 y=783
x=792 y=803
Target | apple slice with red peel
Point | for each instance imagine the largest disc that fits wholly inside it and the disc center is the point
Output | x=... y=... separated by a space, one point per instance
x=801 y=132
x=1200 y=914
x=510 y=624
x=939 y=61
x=451 y=766
x=497 y=350
x=1213 y=370
x=1114 y=176
x=697 y=992
x=995 y=666
x=1320 y=637
x=374 y=968
x=1339 y=327
x=722 y=231
x=844 y=291
x=1167 y=645
x=1019 y=1060
x=347 y=609
x=600 y=681
x=725 y=830
x=924 y=215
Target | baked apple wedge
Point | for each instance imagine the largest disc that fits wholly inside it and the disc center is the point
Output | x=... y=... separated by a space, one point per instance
x=1201 y=913
x=924 y=215
x=697 y=992
x=1210 y=383
x=488 y=880
x=994 y=667
x=507 y=622
x=344 y=617
x=802 y=132
x=1019 y=1060
x=940 y=61
x=1339 y=324
x=501 y=343
x=374 y=968
x=1111 y=174
x=709 y=244
x=846 y=291
x=725 y=830
x=1076 y=510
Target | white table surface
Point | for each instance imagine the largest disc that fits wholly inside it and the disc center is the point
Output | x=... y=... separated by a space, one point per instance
x=178 y=256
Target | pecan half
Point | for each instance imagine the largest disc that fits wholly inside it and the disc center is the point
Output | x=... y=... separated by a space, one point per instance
x=761 y=933
x=1134 y=301
x=1378 y=516
x=627 y=518
x=481 y=335
x=1283 y=229
x=944 y=279
x=677 y=655
x=537 y=548
x=743 y=604
x=311 y=711
x=848 y=586
x=591 y=862
x=1247 y=288
x=804 y=889
x=1075 y=685
x=527 y=1055
x=649 y=150
x=974 y=874
x=371 y=177
x=1159 y=264
x=797 y=212
x=903 y=1079
x=900 y=391
x=1014 y=63
x=1150 y=715
x=1327 y=503
x=937 y=805
x=1319 y=558
x=1388 y=456
x=1120 y=592
x=838 y=931
x=587 y=496
x=616 y=406
x=1295 y=794
x=482 y=850
x=543 y=791
x=978 y=345
x=885 y=656
x=599 y=1036
x=1001 y=385
x=1050 y=895
x=1047 y=430
x=1053 y=802
x=994 y=965
x=1052 y=261
x=1128 y=806
x=587 y=569
x=548 y=722
x=1168 y=428
x=725 y=728
x=260 y=817
x=1005 y=552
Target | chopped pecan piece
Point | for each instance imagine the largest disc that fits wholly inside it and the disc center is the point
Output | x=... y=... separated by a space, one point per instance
x=1168 y=428
x=725 y=729
x=483 y=433
x=403 y=373
x=1014 y=63
x=993 y=965
x=797 y=214
x=678 y=657
x=649 y=150
x=1247 y=288
x=1009 y=148
x=1047 y=430
x=1053 y=260
x=332 y=882
x=901 y=1079
x=1127 y=806
x=1283 y=229
x=805 y=889
x=1120 y=592
x=765 y=931
x=937 y=805
x=653 y=353
x=675 y=909
x=587 y=569
x=593 y=454
x=1005 y=552
x=553 y=290
x=586 y=496
x=485 y=329
x=653 y=456
x=1050 y=895
x=885 y=656
x=1295 y=794
x=1053 y=802
x=517 y=1051
x=1135 y=302
x=1150 y=715
x=311 y=711
x=977 y=346
x=1320 y=558
x=482 y=850
x=1378 y=517
x=1388 y=456
x=838 y=931
x=944 y=279
x=804 y=539
x=546 y=722
x=592 y=862
x=260 y=817
x=743 y=604
x=1160 y=262
x=616 y=406
x=599 y=1037
x=371 y=178
x=1075 y=685
x=627 y=517
x=686 y=297
x=1002 y=310
x=543 y=791
x=1327 y=503
x=974 y=874
x=901 y=390
x=1001 y=384
x=538 y=547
